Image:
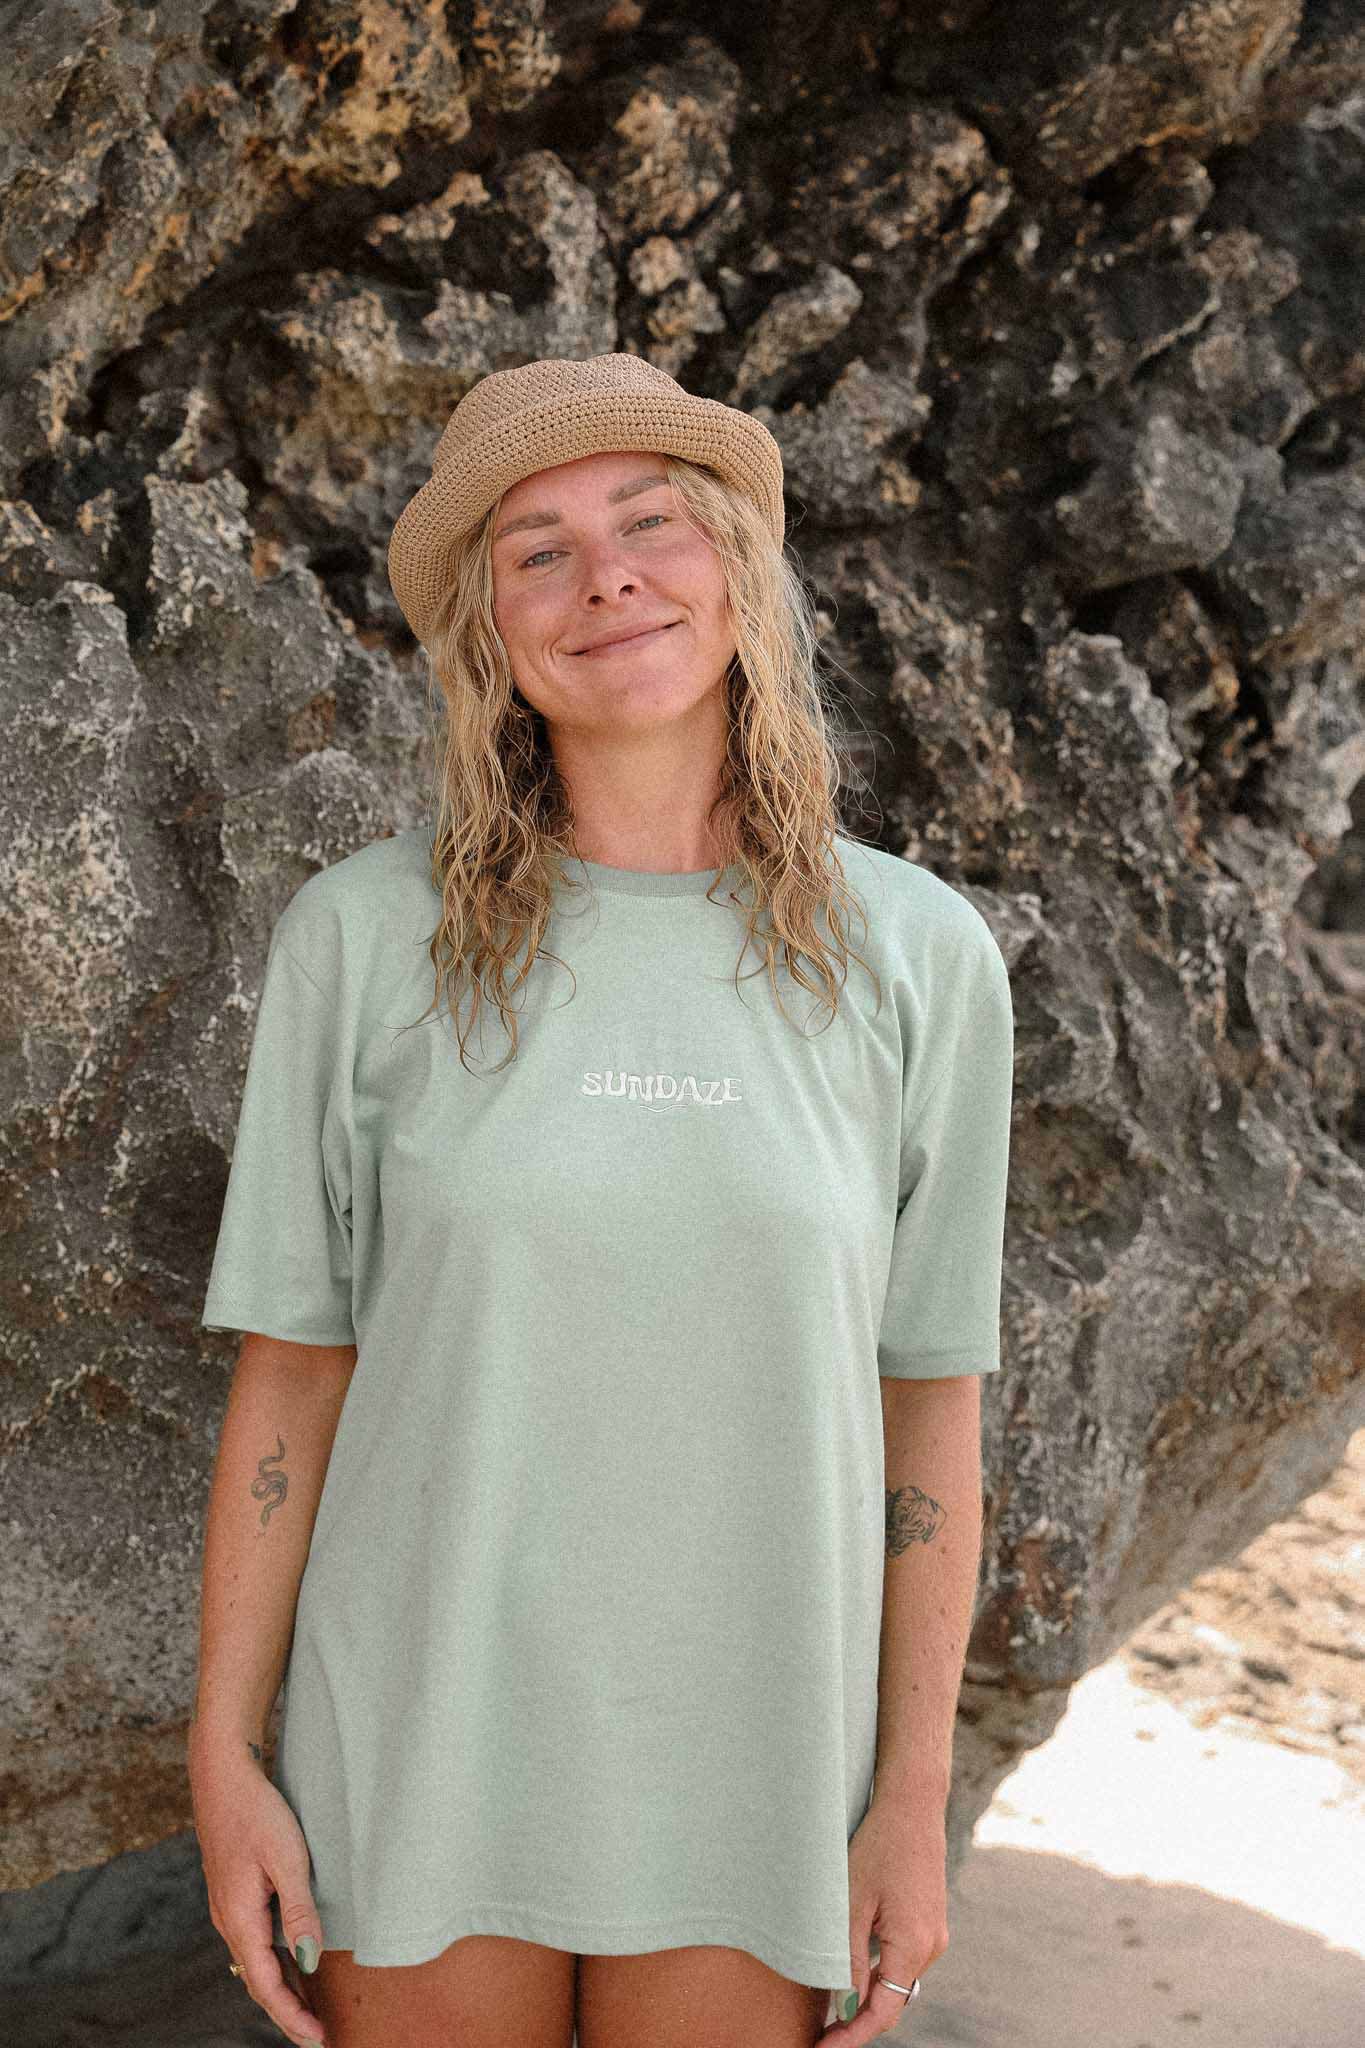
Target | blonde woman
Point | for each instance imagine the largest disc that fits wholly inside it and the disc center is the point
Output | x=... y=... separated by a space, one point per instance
x=617 y=1273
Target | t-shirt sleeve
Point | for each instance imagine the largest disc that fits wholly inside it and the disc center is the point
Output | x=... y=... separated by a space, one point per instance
x=282 y=1262
x=942 y=1309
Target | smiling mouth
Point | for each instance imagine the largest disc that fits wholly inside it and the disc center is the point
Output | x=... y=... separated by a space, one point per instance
x=629 y=640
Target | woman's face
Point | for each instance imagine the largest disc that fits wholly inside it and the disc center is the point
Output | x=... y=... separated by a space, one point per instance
x=604 y=553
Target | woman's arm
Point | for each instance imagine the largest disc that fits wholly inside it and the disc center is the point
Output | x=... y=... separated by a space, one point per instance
x=932 y=1434
x=282 y=1413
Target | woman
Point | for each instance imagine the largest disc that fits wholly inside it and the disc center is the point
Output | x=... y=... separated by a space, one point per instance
x=601 y=1468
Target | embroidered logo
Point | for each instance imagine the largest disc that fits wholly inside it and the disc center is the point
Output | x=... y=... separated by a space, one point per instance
x=662 y=1090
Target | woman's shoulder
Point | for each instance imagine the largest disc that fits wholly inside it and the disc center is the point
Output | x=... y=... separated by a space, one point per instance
x=339 y=916
x=917 y=907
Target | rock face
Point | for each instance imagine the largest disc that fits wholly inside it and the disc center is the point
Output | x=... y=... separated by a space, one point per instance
x=1058 y=314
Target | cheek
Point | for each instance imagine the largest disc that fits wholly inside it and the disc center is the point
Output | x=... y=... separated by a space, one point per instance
x=716 y=609
x=698 y=574
x=522 y=616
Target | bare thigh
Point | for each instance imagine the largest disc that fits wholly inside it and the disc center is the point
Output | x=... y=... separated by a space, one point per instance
x=484 y=1991
x=680 y=1997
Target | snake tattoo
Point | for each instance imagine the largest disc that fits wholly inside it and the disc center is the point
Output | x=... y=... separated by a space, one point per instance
x=271 y=1487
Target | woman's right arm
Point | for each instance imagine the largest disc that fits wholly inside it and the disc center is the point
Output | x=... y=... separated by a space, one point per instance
x=283 y=1408
x=282 y=1413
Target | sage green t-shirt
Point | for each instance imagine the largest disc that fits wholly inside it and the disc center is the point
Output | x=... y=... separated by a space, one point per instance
x=587 y=1640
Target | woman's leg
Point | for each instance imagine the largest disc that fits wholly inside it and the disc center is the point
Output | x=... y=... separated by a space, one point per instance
x=484 y=1991
x=684 y=1997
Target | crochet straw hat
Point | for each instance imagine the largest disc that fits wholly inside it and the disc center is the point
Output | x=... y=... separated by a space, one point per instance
x=515 y=422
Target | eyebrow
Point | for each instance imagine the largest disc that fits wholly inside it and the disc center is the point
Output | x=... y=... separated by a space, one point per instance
x=547 y=516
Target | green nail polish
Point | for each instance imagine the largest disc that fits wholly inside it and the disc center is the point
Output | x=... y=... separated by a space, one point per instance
x=848 y=2005
x=306 y=1954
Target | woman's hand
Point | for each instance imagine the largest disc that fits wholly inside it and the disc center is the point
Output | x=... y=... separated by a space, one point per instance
x=897 y=1890
x=251 y=1846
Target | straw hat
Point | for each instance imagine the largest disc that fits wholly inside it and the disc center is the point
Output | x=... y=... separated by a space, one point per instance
x=514 y=422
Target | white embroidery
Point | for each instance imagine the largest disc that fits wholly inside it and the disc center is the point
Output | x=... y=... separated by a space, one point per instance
x=657 y=1089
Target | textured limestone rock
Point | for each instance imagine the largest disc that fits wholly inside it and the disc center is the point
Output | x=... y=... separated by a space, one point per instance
x=1056 y=313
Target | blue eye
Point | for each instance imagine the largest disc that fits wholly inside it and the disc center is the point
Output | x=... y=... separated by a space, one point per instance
x=643 y=520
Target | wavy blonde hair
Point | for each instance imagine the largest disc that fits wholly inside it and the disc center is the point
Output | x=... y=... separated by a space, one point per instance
x=504 y=816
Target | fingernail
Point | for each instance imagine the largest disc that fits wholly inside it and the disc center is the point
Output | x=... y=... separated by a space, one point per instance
x=306 y=1954
x=848 y=2005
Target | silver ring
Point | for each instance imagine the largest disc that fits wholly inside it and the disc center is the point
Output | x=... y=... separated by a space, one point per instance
x=910 y=1990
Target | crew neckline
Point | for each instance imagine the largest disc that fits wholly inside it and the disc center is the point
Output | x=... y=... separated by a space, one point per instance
x=646 y=882
x=630 y=881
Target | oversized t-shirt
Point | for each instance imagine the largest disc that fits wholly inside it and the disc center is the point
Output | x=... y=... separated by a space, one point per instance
x=586 y=1643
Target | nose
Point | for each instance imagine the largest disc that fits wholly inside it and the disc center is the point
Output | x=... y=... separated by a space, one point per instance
x=603 y=570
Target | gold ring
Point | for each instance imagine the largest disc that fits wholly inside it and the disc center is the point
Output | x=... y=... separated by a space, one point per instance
x=237 y=1969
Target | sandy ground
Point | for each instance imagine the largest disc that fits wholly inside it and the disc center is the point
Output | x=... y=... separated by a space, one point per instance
x=1183 y=1862
x=1142 y=1880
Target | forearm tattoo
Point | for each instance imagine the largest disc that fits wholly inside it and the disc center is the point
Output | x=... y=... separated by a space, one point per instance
x=270 y=1486
x=911 y=1516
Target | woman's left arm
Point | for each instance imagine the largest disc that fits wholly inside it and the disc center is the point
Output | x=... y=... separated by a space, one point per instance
x=897 y=1874
x=932 y=1432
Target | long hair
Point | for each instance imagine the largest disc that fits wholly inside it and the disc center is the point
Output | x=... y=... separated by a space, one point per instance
x=504 y=818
